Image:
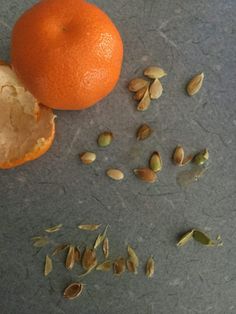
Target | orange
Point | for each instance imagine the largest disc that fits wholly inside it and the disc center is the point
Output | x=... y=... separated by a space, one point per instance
x=68 y=53
x=27 y=128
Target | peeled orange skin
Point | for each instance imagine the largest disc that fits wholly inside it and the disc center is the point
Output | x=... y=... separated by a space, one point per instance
x=67 y=53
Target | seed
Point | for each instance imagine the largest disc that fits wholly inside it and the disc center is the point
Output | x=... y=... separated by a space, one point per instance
x=90 y=227
x=105 y=139
x=133 y=260
x=119 y=266
x=59 y=249
x=178 y=155
x=136 y=84
x=156 y=89
x=201 y=157
x=115 y=174
x=73 y=291
x=185 y=238
x=146 y=175
x=54 y=228
x=141 y=92
x=48 y=265
x=87 y=158
x=155 y=162
x=40 y=241
x=144 y=131
x=195 y=84
x=77 y=255
x=203 y=238
x=131 y=267
x=105 y=266
x=89 y=259
x=145 y=102
x=100 y=238
x=70 y=259
x=154 y=72
x=105 y=247
x=150 y=267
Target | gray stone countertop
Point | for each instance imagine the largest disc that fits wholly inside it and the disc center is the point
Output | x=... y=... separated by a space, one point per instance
x=183 y=37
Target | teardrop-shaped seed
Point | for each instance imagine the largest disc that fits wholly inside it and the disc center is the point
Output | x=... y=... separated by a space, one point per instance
x=105 y=266
x=156 y=89
x=144 y=131
x=70 y=259
x=185 y=238
x=203 y=238
x=146 y=175
x=195 y=84
x=115 y=174
x=89 y=259
x=136 y=84
x=119 y=266
x=154 y=72
x=150 y=267
x=73 y=291
x=133 y=260
x=105 y=139
x=87 y=158
x=48 y=265
x=178 y=155
x=155 y=162
x=140 y=93
x=201 y=157
x=105 y=247
x=145 y=102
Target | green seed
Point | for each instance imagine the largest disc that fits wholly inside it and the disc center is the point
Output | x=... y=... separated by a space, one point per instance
x=155 y=162
x=201 y=157
x=185 y=238
x=105 y=139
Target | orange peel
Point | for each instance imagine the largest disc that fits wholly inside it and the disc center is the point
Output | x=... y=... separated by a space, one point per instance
x=27 y=128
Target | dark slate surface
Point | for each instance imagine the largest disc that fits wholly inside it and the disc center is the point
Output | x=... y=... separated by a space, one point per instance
x=184 y=37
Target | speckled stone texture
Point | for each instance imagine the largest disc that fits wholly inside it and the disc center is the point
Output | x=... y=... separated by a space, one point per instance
x=184 y=37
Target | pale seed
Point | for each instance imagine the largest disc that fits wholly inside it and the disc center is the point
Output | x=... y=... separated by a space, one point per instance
x=137 y=84
x=154 y=72
x=156 y=89
x=40 y=241
x=105 y=139
x=150 y=267
x=54 y=228
x=59 y=249
x=115 y=174
x=195 y=84
x=155 y=162
x=140 y=93
x=89 y=227
x=89 y=259
x=145 y=102
x=48 y=265
x=201 y=157
x=133 y=259
x=185 y=238
x=100 y=238
x=70 y=259
x=203 y=238
x=105 y=266
x=73 y=291
x=105 y=247
x=144 y=131
x=146 y=175
x=119 y=266
x=178 y=155
x=87 y=158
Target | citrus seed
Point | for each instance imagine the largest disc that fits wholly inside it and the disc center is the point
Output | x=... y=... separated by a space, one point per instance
x=87 y=158
x=156 y=89
x=146 y=175
x=145 y=102
x=155 y=162
x=119 y=266
x=195 y=84
x=178 y=155
x=144 y=131
x=140 y=93
x=201 y=157
x=154 y=72
x=136 y=84
x=105 y=139
x=115 y=174
x=150 y=267
x=73 y=291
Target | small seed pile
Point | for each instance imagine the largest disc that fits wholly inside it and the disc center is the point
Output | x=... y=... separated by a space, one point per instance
x=89 y=259
x=145 y=91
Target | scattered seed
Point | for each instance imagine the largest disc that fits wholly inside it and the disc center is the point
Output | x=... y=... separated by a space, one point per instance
x=150 y=267
x=201 y=157
x=100 y=238
x=133 y=260
x=178 y=155
x=89 y=259
x=115 y=174
x=119 y=266
x=105 y=247
x=105 y=139
x=185 y=238
x=54 y=228
x=154 y=72
x=155 y=162
x=77 y=255
x=203 y=238
x=141 y=92
x=105 y=266
x=137 y=84
x=48 y=265
x=144 y=131
x=87 y=158
x=91 y=227
x=146 y=175
x=70 y=259
x=144 y=102
x=195 y=84
x=73 y=291
x=59 y=249
x=156 y=89
x=40 y=241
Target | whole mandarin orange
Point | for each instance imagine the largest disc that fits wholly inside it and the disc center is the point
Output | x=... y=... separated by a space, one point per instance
x=67 y=53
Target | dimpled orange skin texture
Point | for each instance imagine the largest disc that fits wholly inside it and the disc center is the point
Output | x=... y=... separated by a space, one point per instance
x=67 y=53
